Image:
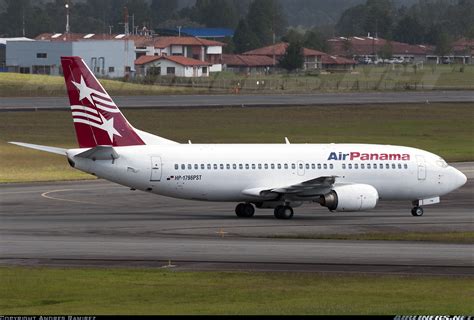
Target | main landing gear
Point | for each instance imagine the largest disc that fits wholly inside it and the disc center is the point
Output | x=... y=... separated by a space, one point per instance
x=284 y=212
x=417 y=211
x=245 y=210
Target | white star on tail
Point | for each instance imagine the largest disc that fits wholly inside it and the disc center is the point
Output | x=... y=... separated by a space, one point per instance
x=108 y=125
x=84 y=90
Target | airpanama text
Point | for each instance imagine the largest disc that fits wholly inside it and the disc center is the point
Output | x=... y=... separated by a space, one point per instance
x=357 y=156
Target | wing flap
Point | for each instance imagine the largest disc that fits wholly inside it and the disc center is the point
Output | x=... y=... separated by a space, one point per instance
x=314 y=186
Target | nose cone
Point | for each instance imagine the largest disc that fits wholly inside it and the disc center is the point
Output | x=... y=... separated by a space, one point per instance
x=458 y=178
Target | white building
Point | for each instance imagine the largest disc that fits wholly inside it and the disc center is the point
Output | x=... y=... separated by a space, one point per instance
x=189 y=47
x=110 y=58
x=178 y=66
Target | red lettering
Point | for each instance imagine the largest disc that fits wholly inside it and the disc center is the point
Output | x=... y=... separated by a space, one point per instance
x=355 y=155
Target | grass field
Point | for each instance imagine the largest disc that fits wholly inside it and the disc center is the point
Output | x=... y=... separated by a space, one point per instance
x=363 y=78
x=139 y=291
x=23 y=85
x=444 y=237
x=444 y=129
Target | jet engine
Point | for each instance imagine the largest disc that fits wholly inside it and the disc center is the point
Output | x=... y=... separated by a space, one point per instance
x=347 y=198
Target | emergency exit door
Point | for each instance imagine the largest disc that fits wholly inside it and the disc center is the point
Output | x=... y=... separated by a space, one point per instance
x=421 y=167
x=156 y=171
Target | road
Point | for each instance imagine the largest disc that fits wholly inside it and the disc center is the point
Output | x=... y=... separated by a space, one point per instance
x=101 y=224
x=270 y=100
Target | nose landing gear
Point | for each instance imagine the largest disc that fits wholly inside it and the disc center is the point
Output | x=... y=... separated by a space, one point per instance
x=417 y=211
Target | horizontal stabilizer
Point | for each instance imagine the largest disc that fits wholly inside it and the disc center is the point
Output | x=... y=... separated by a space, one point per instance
x=54 y=150
x=99 y=153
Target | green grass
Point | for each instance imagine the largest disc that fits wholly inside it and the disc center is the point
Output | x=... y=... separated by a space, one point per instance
x=363 y=78
x=445 y=237
x=445 y=129
x=26 y=85
x=141 y=291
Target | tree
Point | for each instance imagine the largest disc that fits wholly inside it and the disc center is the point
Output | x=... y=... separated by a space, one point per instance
x=386 y=52
x=293 y=35
x=266 y=19
x=379 y=18
x=215 y=13
x=163 y=10
x=244 y=38
x=409 y=30
x=313 y=39
x=351 y=22
x=293 y=58
x=443 y=44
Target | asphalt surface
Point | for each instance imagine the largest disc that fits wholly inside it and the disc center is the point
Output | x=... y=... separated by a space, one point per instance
x=96 y=223
x=209 y=101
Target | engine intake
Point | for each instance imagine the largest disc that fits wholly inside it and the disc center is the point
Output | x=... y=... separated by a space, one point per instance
x=355 y=197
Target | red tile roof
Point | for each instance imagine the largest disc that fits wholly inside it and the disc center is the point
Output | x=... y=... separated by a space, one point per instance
x=279 y=49
x=333 y=60
x=246 y=60
x=368 y=46
x=164 y=42
x=184 y=61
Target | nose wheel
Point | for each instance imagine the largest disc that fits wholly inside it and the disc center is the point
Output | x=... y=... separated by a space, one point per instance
x=245 y=210
x=417 y=211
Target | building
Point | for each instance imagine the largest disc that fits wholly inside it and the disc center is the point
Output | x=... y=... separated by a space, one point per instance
x=3 y=51
x=312 y=58
x=361 y=48
x=106 y=58
x=178 y=66
x=337 y=64
x=247 y=64
x=463 y=51
x=190 y=47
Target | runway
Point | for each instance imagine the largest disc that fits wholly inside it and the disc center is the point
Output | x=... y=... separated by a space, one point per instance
x=251 y=100
x=96 y=223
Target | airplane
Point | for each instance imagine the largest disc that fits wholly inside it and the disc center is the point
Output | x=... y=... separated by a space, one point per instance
x=340 y=177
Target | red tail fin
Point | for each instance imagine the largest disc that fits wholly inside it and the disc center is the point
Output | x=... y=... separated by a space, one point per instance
x=97 y=119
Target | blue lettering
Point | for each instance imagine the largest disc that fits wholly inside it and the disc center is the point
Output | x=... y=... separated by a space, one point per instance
x=333 y=156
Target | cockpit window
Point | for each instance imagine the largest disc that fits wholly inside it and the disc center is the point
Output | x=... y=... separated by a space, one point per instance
x=440 y=162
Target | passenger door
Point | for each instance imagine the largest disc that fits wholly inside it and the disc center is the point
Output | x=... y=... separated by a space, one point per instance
x=421 y=167
x=156 y=171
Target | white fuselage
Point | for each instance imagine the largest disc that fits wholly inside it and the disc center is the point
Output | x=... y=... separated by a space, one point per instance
x=223 y=172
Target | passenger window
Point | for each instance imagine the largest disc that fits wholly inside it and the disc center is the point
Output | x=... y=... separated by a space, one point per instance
x=350 y=165
x=369 y=166
x=331 y=166
x=209 y=167
x=215 y=167
x=394 y=166
x=375 y=166
x=190 y=167
x=203 y=166
x=176 y=166
x=266 y=166
x=325 y=166
x=273 y=166
x=241 y=166
x=196 y=167
x=293 y=166
x=183 y=167
x=356 y=166
x=247 y=166
x=344 y=166
x=387 y=166
x=259 y=166
x=362 y=166
x=313 y=166
x=279 y=166
x=234 y=166
x=286 y=166
x=319 y=166
x=307 y=166
x=399 y=166
x=228 y=167
x=406 y=166
x=253 y=166
x=222 y=167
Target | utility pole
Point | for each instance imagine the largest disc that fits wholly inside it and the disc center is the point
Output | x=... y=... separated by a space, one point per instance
x=179 y=30
x=23 y=22
x=126 y=21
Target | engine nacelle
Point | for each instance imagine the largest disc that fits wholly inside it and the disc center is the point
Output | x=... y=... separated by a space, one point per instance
x=355 y=197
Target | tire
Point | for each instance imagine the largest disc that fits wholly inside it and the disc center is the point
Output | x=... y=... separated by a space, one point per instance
x=417 y=211
x=284 y=212
x=245 y=210
x=240 y=210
